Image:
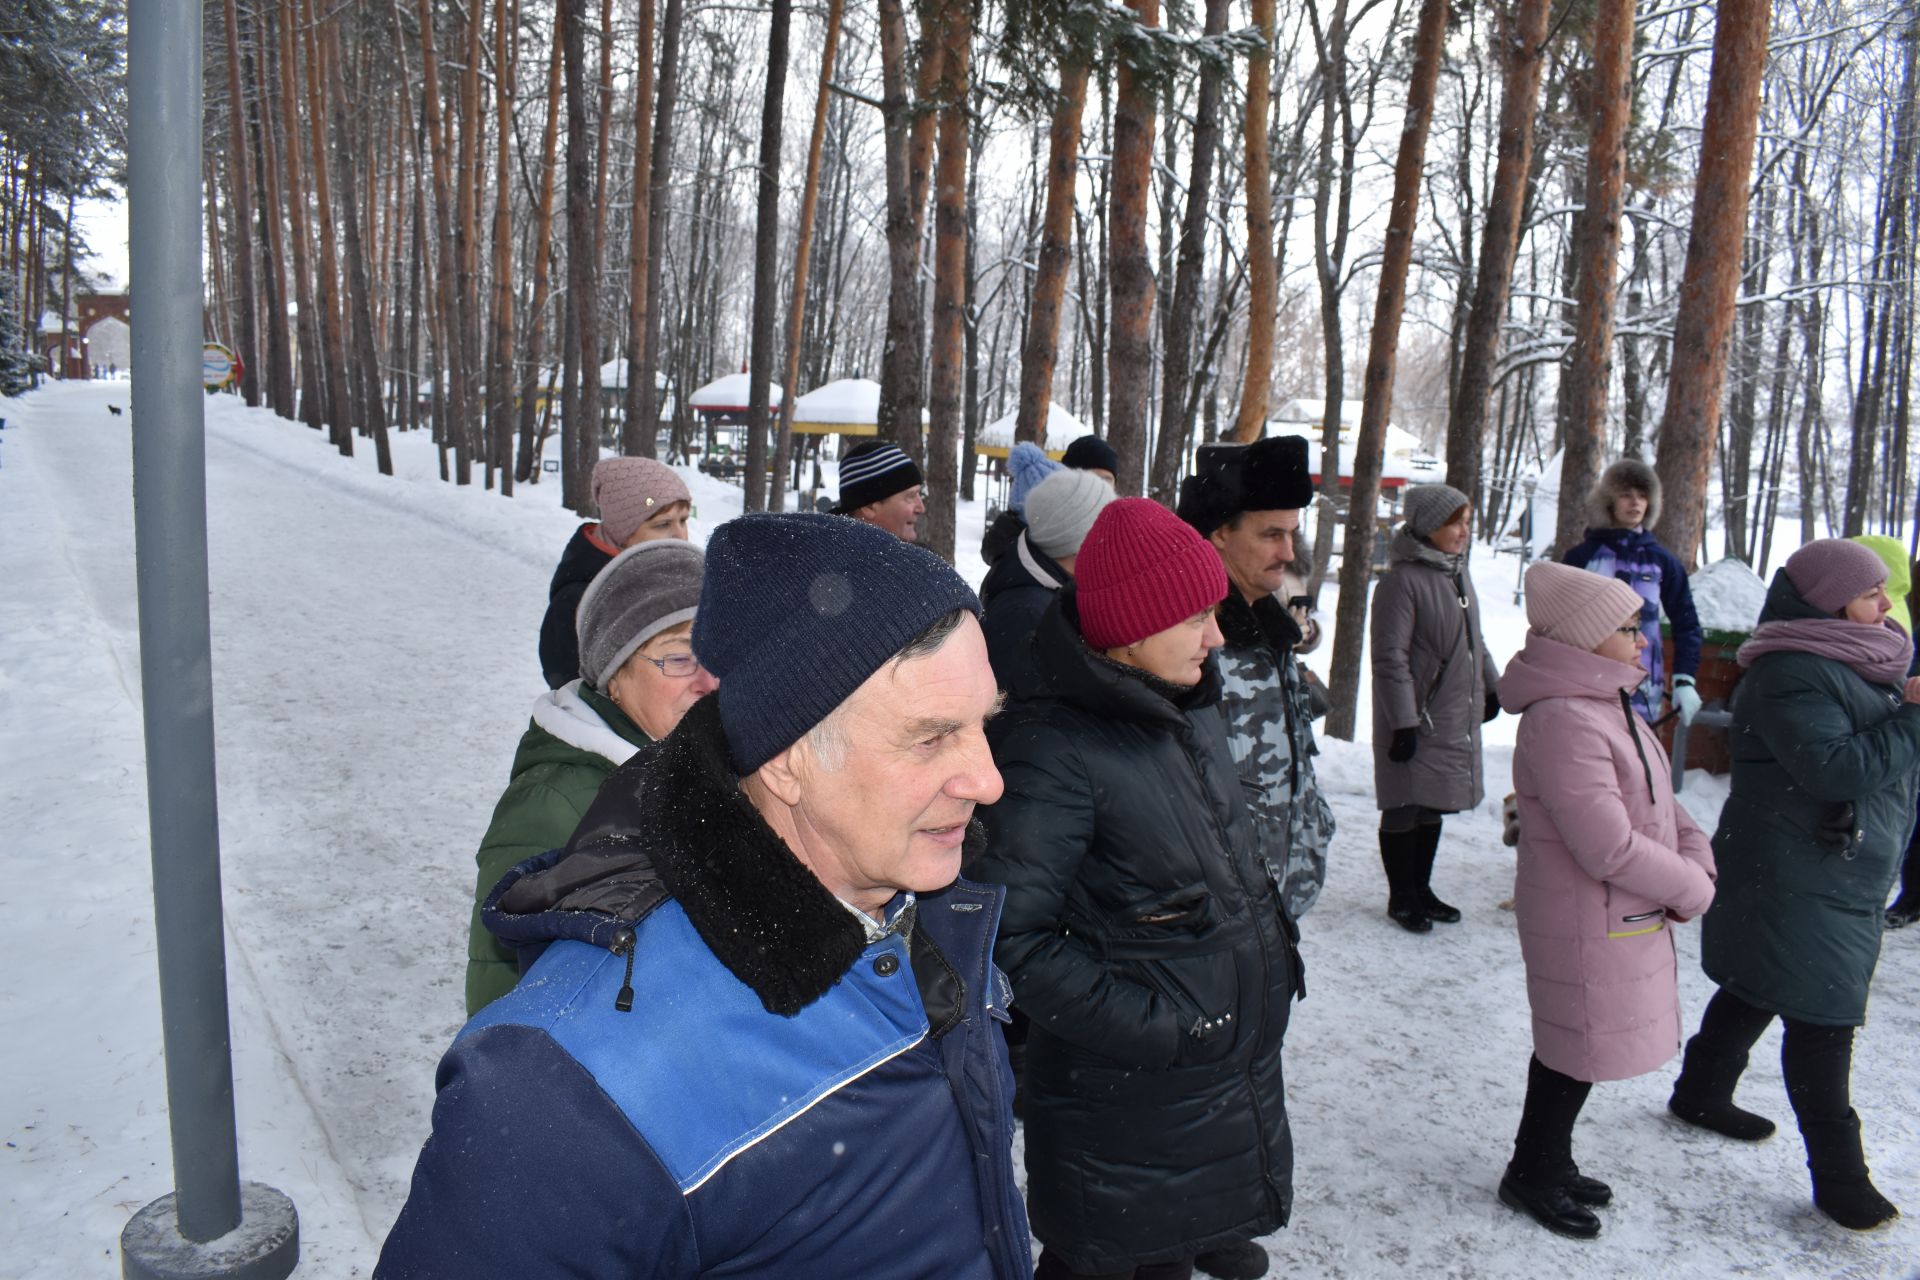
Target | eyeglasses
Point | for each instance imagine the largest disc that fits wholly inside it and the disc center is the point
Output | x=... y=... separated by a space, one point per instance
x=675 y=666
x=1631 y=629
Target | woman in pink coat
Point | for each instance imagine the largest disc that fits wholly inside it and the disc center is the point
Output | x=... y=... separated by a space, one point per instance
x=1607 y=862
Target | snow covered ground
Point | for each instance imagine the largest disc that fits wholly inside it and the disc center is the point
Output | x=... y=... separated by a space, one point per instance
x=373 y=666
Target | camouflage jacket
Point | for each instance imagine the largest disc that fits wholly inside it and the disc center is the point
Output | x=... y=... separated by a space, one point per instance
x=1264 y=701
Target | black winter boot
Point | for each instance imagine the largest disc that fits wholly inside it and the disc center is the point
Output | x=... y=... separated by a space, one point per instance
x=1437 y=911
x=1591 y=1192
x=1243 y=1260
x=1400 y=857
x=1551 y=1205
x=1703 y=1095
x=1842 y=1188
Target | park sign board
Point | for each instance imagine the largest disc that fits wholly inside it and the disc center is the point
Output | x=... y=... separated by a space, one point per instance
x=219 y=367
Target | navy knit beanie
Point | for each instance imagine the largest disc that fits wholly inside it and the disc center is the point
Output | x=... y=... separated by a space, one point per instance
x=796 y=611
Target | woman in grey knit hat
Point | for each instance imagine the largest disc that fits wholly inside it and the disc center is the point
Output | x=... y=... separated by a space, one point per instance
x=1432 y=689
x=637 y=677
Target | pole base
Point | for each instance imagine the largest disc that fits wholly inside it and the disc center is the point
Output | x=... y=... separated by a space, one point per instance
x=265 y=1246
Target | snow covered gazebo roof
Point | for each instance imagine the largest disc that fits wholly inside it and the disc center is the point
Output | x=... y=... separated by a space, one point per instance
x=729 y=395
x=613 y=377
x=996 y=438
x=847 y=406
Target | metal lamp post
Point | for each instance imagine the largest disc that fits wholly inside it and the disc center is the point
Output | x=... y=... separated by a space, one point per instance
x=211 y=1224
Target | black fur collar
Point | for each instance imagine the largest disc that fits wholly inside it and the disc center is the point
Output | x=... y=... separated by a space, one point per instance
x=1266 y=621
x=674 y=818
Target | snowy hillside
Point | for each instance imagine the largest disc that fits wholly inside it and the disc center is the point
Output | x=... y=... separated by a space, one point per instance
x=373 y=666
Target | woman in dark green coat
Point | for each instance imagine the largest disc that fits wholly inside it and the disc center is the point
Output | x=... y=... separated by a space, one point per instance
x=637 y=678
x=1826 y=751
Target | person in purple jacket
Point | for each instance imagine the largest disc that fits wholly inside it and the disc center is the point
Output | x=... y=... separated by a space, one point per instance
x=1607 y=862
x=1620 y=510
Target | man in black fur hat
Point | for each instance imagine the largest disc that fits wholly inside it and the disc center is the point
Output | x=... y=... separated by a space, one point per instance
x=1247 y=501
x=762 y=1034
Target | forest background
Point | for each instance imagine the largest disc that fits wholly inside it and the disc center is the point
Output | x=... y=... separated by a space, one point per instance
x=1548 y=226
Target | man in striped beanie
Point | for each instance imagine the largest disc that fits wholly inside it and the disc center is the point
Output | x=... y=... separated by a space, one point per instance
x=880 y=486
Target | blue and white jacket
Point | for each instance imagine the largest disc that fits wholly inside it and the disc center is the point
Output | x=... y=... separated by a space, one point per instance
x=711 y=1072
x=1636 y=558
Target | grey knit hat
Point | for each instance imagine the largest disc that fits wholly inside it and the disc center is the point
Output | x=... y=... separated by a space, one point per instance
x=640 y=593
x=1062 y=508
x=1428 y=506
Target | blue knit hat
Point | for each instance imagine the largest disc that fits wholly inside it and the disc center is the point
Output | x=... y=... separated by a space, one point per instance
x=796 y=611
x=1028 y=465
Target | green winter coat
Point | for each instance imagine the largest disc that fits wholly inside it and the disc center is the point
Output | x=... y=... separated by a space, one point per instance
x=1796 y=919
x=576 y=738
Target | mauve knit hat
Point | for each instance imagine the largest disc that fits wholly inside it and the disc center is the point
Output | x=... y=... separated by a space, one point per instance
x=635 y=596
x=1833 y=571
x=1142 y=569
x=1576 y=607
x=1027 y=466
x=628 y=490
x=1062 y=508
x=798 y=610
x=1428 y=506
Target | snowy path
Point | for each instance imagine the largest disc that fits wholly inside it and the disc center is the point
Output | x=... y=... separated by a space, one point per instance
x=373 y=660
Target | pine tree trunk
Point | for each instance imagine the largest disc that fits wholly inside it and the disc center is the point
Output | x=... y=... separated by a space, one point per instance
x=333 y=355
x=580 y=429
x=803 y=256
x=1130 y=269
x=948 y=345
x=372 y=409
x=1597 y=246
x=1703 y=326
x=312 y=395
x=1369 y=445
x=1523 y=39
x=1263 y=289
x=909 y=143
x=659 y=197
x=469 y=122
x=525 y=467
x=637 y=432
x=766 y=258
x=239 y=217
x=266 y=164
x=1042 y=345
x=1176 y=421
x=500 y=380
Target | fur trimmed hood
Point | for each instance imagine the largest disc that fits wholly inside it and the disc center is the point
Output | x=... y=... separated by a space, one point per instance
x=1626 y=474
x=673 y=823
x=565 y=714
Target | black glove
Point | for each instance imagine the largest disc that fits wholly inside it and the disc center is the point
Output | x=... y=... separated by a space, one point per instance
x=1405 y=741
x=1492 y=708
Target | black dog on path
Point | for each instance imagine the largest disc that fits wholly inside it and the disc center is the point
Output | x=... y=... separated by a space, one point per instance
x=114 y=409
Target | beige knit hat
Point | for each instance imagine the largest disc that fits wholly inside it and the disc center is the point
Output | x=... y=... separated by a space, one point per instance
x=629 y=490
x=1576 y=607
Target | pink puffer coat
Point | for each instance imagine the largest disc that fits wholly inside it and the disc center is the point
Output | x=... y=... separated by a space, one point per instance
x=1605 y=854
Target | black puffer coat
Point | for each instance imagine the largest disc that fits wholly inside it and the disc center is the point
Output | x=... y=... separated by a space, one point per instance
x=559 y=642
x=1150 y=950
x=1015 y=596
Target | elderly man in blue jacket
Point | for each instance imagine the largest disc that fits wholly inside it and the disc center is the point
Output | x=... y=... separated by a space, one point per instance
x=761 y=1037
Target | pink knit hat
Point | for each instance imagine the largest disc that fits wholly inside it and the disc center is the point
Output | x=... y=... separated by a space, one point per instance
x=1142 y=569
x=1833 y=571
x=1575 y=607
x=628 y=490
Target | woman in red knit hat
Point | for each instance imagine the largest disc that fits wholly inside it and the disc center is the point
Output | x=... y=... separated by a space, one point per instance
x=1142 y=928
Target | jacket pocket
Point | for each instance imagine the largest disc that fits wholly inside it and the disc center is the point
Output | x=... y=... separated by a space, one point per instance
x=1629 y=915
